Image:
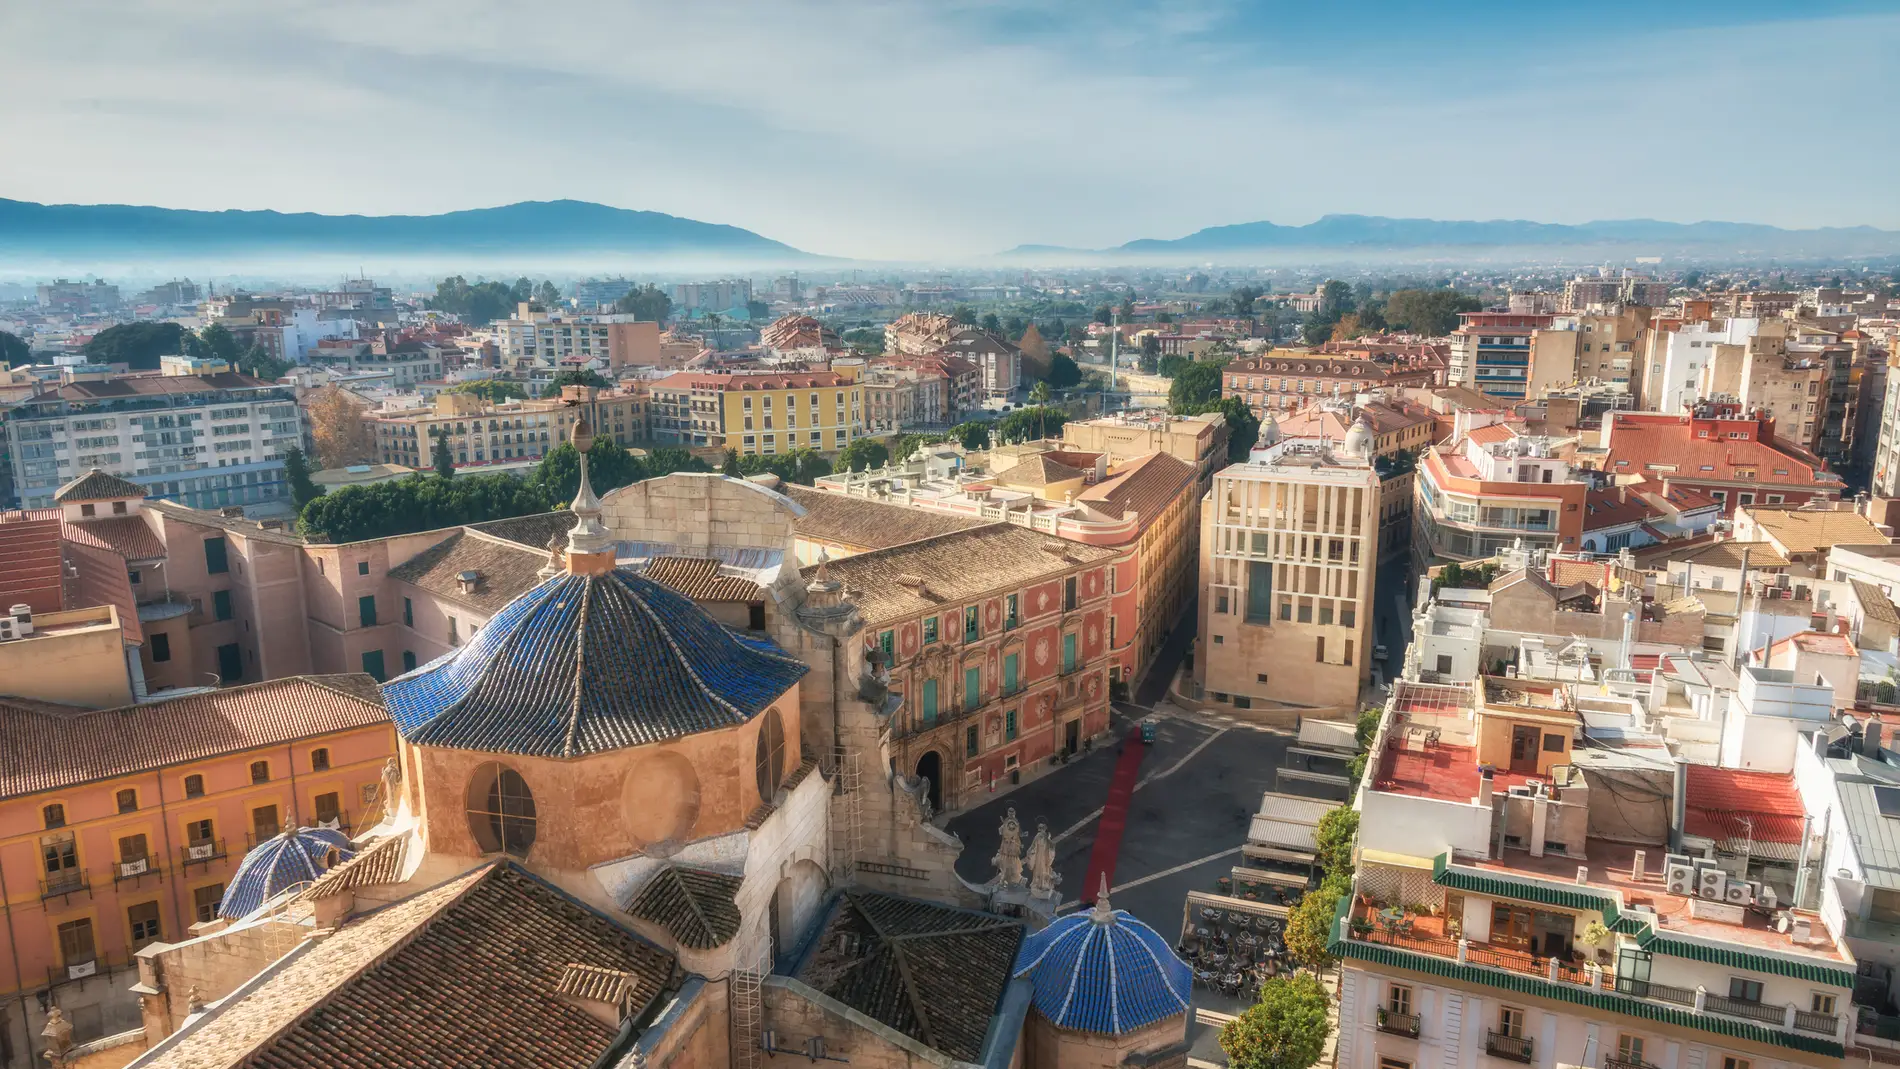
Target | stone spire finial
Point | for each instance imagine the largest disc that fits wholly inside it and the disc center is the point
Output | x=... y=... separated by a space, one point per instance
x=589 y=542
x=1102 y=914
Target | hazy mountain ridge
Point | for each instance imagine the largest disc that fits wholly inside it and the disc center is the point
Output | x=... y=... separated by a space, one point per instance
x=1348 y=232
x=29 y=229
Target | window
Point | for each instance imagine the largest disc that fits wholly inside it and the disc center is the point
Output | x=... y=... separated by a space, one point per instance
x=1259 y=591
x=1348 y=617
x=53 y=816
x=1629 y=1048
x=1068 y=653
x=1386 y=1062
x=194 y=786
x=455 y=632
x=971 y=631
x=320 y=759
x=1220 y=640
x=887 y=643
x=1744 y=990
x=408 y=661
x=971 y=745
x=768 y=758
x=927 y=701
x=264 y=822
x=59 y=853
x=260 y=771
x=1511 y=1021
x=373 y=665
x=88 y=509
x=1068 y=593
x=1729 y=1061
x=362 y=567
x=1011 y=670
x=1822 y=1002
x=1009 y=613
x=1319 y=648
x=204 y=902
x=366 y=608
x=230 y=663
x=161 y=646
x=1347 y=659
x=221 y=604
x=1009 y=726
x=329 y=809
x=128 y=800
x=142 y=920
x=1306 y=612
x=1553 y=744
x=408 y=613
x=198 y=832
x=972 y=688
x=1398 y=998
x=930 y=630
x=132 y=849
x=217 y=560
x=75 y=942
x=501 y=810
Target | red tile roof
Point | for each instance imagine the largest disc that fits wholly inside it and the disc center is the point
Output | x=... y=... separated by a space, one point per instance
x=49 y=752
x=128 y=536
x=1639 y=440
x=1614 y=507
x=698 y=578
x=98 y=577
x=1729 y=803
x=29 y=560
x=1823 y=642
x=1145 y=486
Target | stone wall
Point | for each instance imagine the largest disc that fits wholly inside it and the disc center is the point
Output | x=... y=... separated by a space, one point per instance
x=694 y=1032
x=1049 y=1047
x=699 y=512
x=797 y=1013
x=213 y=965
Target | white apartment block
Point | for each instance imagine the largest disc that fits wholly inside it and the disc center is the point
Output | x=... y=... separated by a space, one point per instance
x=202 y=440
x=1677 y=359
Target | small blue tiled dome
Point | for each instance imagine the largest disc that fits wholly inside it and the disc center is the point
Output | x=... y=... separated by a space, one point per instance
x=587 y=663
x=279 y=863
x=1104 y=971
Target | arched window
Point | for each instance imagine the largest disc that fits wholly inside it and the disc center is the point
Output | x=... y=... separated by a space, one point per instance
x=769 y=761
x=501 y=810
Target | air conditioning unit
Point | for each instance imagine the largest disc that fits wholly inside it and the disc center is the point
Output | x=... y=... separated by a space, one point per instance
x=1737 y=893
x=1766 y=898
x=133 y=868
x=1710 y=883
x=1680 y=878
x=1677 y=859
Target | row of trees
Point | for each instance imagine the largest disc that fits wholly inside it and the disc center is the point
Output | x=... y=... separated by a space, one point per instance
x=139 y=346
x=482 y=301
x=1346 y=311
x=1195 y=389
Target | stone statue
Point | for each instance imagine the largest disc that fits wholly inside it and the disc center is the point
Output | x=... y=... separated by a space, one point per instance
x=58 y=1035
x=1042 y=863
x=1009 y=854
x=386 y=790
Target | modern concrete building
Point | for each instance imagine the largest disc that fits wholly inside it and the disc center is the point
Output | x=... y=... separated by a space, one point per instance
x=1490 y=486
x=1289 y=558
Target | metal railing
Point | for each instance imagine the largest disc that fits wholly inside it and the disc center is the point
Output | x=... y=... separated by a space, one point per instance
x=69 y=882
x=201 y=853
x=136 y=868
x=1754 y=1011
x=1398 y=1024
x=1511 y=1048
x=1681 y=996
x=1626 y=1063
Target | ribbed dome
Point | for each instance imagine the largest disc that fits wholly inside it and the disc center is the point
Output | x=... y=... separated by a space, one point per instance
x=278 y=864
x=1358 y=441
x=1104 y=971
x=587 y=663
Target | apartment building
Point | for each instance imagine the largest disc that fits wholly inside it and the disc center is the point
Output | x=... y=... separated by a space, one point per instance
x=759 y=413
x=1732 y=455
x=1886 y=455
x=1517 y=902
x=480 y=433
x=997 y=640
x=113 y=840
x=1677 y=353
x=1200 y=441
x=716 y=296
x=1492 y=485
x=1492 y=352
x=208 y=440
x=544 y=339
x=1289 y=558
x=407 y=363
x=1285 y=379
x=1582 y=294
x=918 y=333
x=907 y=394
x=999 y=364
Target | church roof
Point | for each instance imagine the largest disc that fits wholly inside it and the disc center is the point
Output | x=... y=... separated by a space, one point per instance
x=1104 y=971
x=695 y=905
x=587 y=663
x=96 y=485
x=278 y=864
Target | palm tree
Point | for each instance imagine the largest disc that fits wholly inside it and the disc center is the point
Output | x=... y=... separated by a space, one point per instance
x=1039 y=396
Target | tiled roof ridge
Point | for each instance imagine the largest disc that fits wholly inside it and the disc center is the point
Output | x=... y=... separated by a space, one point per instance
x=913 y=543
x=351 y=874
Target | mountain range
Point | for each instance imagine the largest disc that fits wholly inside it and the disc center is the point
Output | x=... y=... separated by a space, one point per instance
x=1372 y=233
x=74 y=232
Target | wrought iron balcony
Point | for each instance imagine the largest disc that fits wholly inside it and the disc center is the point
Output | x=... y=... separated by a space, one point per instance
x=1508 y=1047
x=1398 y=1024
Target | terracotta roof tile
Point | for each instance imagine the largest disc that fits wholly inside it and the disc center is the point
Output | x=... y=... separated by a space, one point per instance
x=1638 y=440
x=128 y=536
x=533 y=530
x=380 y=863
x=48 y=752
x=862 y=525
x=1811 y=530
x=1146 y=486
x=698 y=578
x=1875 y=603
x=956 y=568
x=504 y=570
x=1038 y=469
x=695 y=905
x=96 y=485
x=98 y=577
x=30 y=568
x=1730 y=803
x=427 y=981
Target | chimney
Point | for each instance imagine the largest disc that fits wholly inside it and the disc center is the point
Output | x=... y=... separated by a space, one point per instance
x=1636 y=865
x=1485 y=785
x=1678 y=805
x=1870 y=738
x=1540 y=823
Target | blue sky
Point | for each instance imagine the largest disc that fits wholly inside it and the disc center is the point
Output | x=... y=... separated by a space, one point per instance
x=920 y=130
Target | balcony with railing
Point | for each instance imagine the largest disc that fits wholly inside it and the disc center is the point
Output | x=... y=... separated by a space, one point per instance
x=65 y=884
x=1396 y=1023
x=1626 y=1063
x=135 y=869
x=201 y=852
x=1509 y=1047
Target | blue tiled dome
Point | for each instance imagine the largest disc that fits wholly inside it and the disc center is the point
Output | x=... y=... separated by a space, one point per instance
x=1104 y=971
x=587 y=663
x=279 y=863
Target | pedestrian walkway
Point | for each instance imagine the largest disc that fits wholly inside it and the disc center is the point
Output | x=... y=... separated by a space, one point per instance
x=1108 y=833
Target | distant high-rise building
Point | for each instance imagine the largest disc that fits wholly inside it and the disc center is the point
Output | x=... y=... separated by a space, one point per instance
x=716 y=296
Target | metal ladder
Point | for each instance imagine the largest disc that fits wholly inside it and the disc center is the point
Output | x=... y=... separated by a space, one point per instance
x=748 y=1009
x=847 y=825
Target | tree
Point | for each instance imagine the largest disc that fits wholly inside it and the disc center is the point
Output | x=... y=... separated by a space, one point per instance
x=1310 y=924
x=1428 y=312
x=1063 y=372
x=297 y=474
x=1285 y=1029
x=1039 y=393
x=1024 y=424
x=217 y=342
x=646 y=303
x=1103 y=314
x=585 y=376
x=1243 y=427
x=904 y=446
x=444 y=458
x=482 y=302
x=1347 y=327
x=964 y=315
x=731 y=468
x=863 y=454
x=14 y=352
x=1335 y=299
x=1150 y=352
x=973 y=435
x=417 y=503
x=494 y=391
x=1170 y=365
x=865 y=340
x=547 y=294
x=337 y=428
x=1333 y=839
x=991 y=324
x=668 y=459
x=139 y=345
x=1128 y=307
x=1195 y=384
x=609 y=467
x=1243 y=299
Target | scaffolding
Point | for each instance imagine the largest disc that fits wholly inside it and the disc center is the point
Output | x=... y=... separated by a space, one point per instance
x=847 y=818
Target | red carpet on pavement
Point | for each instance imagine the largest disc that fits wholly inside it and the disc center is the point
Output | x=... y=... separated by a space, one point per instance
x=1108 y=831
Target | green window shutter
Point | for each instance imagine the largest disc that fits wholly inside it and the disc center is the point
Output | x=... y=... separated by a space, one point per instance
x=1068 y=653
x=929 y=701
x=972 y=688
x=1009 y=674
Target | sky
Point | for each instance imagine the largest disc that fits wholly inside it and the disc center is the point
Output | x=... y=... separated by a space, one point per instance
x=933 y=130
